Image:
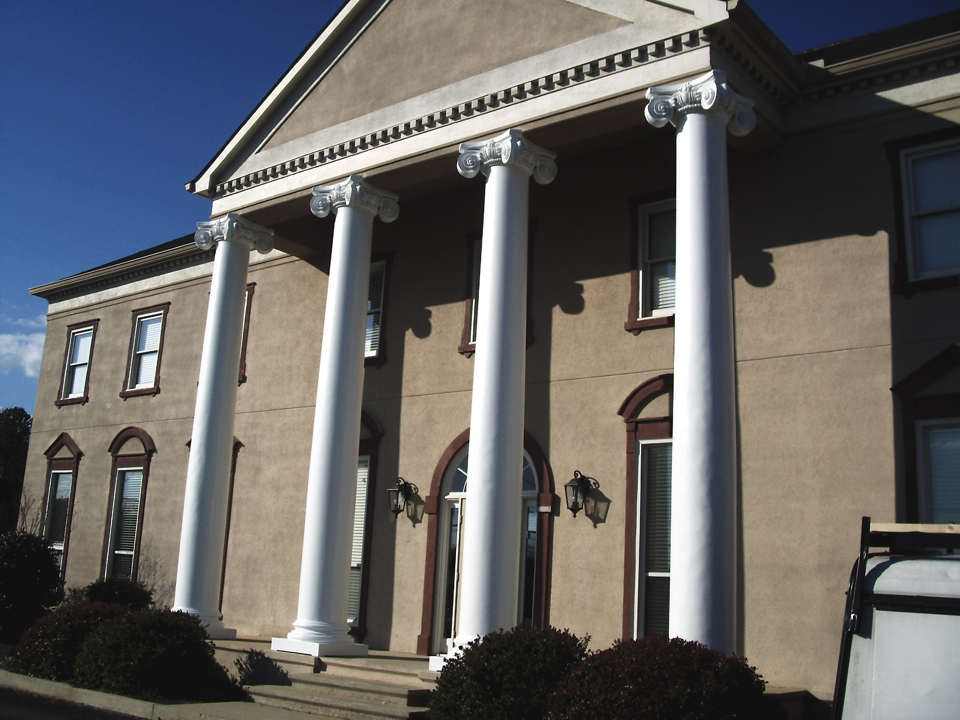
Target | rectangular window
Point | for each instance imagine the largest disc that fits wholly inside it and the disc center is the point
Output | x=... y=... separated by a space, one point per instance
x=657 y=251
x=247 y=305
x=58 y=511
x=938 y=459
x=378 y=272
x=124 y=523
x=359 y=531
x=653 y=537
x=146 y=346
x=931 y=209
x=74 y=382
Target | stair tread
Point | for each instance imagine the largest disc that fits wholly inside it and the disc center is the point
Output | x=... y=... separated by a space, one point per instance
x=295 y=695
x=325 y=679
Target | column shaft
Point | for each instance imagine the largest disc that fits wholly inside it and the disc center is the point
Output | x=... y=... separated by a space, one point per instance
x=203 y=529
x=703 y=534
x=491 y=519
x=321 y=627
x=491 y=527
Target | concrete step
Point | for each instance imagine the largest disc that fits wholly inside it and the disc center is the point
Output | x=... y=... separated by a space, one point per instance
x=318 y=700
x=404 y=669
x=227 y=652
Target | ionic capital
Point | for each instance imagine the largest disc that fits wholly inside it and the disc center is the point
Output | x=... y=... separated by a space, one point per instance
x=707 y=94
x=357 y=193
x=234 y=228
x=510 y=148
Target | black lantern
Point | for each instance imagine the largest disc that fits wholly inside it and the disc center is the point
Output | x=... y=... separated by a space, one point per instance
x=399 y=496
x=576 y=490
x=583 y=493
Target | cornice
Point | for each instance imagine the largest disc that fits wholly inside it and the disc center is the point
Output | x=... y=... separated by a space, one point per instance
x=568 y=77
x=121 y=273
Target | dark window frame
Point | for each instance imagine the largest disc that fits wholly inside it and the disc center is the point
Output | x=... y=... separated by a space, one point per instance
x=903 y=284
x=247 y=307
x=915 y=409
x=61 y=464
x=85 y=397
x=124 y=461
x=380 y=357
x=546 y=498
x=634 y=323
x=638 y=428
x=164 y=310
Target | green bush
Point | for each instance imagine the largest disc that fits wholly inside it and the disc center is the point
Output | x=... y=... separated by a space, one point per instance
x=128 y=593
x=154 y=655
x=29 y=582
x=507 y=674
x=659 y=679
x=49 y=648
x=256 y=668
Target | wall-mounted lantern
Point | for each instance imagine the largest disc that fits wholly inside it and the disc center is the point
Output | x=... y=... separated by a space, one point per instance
x=405 y=497
x=583 y=493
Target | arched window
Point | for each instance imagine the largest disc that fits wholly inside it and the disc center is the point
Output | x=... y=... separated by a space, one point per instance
x=131 y=449
x=446 y=510
x=647 y=412
x=63 y=461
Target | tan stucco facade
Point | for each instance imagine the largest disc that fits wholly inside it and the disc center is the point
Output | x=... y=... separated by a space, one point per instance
x=820 y=339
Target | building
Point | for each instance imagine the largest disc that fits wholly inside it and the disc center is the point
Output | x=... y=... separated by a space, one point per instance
x=686 y=235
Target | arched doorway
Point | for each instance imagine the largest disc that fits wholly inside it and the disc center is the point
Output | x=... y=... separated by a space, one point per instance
x=447 y=513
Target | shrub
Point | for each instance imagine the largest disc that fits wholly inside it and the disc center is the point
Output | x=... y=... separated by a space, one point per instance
x=49 y=648
x=128 y=593
x=154 y=655
x=255 y=668
x=659 y=678
x=507 y=674
x=29 y=582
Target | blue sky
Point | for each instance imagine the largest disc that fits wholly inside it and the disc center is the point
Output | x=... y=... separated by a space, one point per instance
x=109 y=107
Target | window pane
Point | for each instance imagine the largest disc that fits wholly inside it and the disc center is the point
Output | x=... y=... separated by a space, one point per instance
x=941 y=445
x=128 y=510
x=148 y=334
x=529 y=564
x=375 y=292
x=936 y=243
x=935 y=181
x=122 y=566
x=371 y=343
x=662 y=239
x=353 y=595
x=145 y=371
x=76 y=380
x=656 y=478
x=663 y=285
x=80 y=350
x=530 y=484
x=656 y=606
x=57 y=506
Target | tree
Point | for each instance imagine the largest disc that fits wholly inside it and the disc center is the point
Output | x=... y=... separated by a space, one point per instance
x=15 y=424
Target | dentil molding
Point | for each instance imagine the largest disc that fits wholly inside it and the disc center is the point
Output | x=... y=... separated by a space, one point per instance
x=357 y=193
x=707 y=94
x=234 y=228
x=509 y=148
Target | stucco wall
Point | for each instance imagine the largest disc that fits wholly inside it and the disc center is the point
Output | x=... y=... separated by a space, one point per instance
x=814 y=342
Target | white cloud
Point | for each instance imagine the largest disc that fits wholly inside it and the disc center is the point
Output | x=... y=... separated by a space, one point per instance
x=21 y=351
x=38 y=321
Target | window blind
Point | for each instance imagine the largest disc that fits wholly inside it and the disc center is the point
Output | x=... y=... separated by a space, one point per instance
x=359 y=532
x=941 y=446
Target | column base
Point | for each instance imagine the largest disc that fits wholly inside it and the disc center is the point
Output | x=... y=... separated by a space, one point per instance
x=330 y=648
x=212 y=623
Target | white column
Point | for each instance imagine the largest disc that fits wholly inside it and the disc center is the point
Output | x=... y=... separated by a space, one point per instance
x=703 y=537
x=492 y=522
x=211 y=447
x=321 y=627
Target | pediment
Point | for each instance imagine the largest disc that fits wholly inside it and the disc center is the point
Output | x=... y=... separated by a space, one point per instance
x=381 y=63
x=415 y=46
